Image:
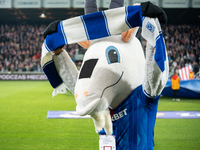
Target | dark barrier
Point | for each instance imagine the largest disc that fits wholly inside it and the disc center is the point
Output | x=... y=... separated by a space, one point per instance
x=23 y=76
x=188 y=89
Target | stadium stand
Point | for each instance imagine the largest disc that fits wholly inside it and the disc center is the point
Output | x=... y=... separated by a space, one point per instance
x=20 y=47
x=183 y=45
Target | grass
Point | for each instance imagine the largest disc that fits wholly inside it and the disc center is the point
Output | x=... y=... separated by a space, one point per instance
x=177 y=134
x=23 y=123
x=166 y=104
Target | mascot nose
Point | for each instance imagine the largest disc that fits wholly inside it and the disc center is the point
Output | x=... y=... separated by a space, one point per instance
x=76 y=95
x=85 y=93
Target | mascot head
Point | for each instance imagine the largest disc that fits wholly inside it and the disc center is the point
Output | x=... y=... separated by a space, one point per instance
x=111 y=69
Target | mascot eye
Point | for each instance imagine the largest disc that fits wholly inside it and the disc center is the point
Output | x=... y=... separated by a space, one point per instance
x=112 y=55
x=88 y=68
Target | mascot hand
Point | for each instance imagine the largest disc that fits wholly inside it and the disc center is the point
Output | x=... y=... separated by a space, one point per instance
x=153 y=11
x=51 y=28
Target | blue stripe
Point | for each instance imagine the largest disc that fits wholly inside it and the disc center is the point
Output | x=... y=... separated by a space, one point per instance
x=86 y=32
x=45 y=44
x=63 y=32
x=134 y=122
x=106 y=21
x=160 y=55
x=96 y=28
x=133 y=16
x=126 y=18
x=148 y=95
x=47 y=63
x=52 y=74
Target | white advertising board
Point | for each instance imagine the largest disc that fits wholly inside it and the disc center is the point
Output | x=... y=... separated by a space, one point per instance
x=155 y=2
x=81 y=3
x=27 y=3
x=78 y=3
x=127 y=3
x=106 y=3
x=57 y=3
x=5 y=4
x=175 y=3
x=196 y=4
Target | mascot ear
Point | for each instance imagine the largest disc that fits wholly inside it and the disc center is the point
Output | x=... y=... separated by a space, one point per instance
x=126 y=36
x=85 y=44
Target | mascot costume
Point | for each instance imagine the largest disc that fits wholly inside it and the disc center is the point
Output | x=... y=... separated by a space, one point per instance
x=117 y=86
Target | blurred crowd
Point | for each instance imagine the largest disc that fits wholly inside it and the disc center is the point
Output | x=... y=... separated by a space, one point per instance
x=20 y=47
x=183 y=46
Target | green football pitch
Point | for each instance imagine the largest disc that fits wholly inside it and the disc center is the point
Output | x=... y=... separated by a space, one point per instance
x=24 y=126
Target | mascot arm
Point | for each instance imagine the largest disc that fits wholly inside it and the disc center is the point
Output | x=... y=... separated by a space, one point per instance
x=66 y=69
x=156 y=67
x=59 y=69
x=155 y=79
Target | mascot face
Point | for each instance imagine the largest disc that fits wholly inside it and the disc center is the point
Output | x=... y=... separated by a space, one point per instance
x=111 y=69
